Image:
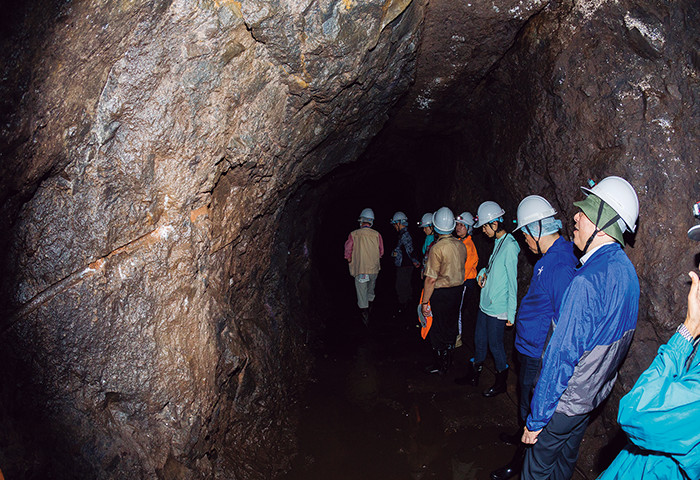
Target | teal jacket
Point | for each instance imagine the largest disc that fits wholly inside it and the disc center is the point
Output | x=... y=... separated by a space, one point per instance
x=428 y=240
x=661 y=416
x=499 y=295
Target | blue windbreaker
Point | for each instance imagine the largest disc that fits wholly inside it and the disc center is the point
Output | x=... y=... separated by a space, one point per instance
x=661 y=416
x=597 y=318
x=540 y=306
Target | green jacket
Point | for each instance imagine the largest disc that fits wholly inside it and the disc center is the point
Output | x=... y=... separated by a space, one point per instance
x=500 y=293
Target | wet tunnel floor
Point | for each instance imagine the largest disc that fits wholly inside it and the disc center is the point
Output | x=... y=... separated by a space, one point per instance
x=372 y=413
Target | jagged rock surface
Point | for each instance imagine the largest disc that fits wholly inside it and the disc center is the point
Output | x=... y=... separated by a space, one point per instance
x=164 y=165
x=146 y=161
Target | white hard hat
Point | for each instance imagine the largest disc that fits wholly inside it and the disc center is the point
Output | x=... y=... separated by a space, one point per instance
x=532 y=209
x=694 y=232
x=399 y=217
x=621 y=197
x=426 y=220
x=465 y=218
x=444 y=221
x=487 y=213
x=367 y=215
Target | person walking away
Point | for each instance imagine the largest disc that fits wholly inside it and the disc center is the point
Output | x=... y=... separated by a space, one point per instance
x=442 y=289
x=661 y=414
x=597 y=319
x=498 y=299
x=363 y=249
x=539 y=308
x=463 y=230
x=404 y=260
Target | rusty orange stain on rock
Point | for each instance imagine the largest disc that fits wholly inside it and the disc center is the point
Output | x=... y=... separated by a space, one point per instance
x=97 y=264
x=236 y=8
x=198 y=212
x=300 y=81
x=232 y=4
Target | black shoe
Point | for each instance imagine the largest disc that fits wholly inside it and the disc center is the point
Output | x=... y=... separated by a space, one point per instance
x=472 y=376
x=432 y=369
x=449 y=359
x=364 y=313
x=504 y=473
x=436 y=365
x=514 y=466
x=445 y=360
x=509 y=439
x=499 y=386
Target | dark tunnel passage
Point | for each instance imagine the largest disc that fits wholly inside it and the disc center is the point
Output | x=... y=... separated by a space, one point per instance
x=178 y=180
x=370 y=411
x=390 y=190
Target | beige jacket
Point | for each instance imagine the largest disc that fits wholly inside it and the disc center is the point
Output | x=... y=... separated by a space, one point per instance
x=446 y=262
x=365 y=251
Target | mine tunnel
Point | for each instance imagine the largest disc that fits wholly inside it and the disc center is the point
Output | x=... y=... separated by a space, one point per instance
x=179 y=178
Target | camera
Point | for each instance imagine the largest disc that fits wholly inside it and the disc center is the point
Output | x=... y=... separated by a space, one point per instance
x=694 y=232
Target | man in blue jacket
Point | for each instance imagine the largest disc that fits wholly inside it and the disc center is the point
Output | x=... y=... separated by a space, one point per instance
x=661 y=414
x=539 y=308
x=597 y=319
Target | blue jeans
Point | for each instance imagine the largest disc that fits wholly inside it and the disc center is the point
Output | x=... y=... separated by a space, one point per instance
x=529 y=371
x=488 y=335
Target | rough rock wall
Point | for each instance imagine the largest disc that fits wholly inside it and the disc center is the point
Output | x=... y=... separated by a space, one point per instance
x=463 y=42
x=154 y=153
x=435 y=130
x=147 y=155
x=593 y=89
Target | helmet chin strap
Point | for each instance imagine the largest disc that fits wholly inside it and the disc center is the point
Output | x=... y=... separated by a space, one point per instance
x=597 y=221
x=537 y=240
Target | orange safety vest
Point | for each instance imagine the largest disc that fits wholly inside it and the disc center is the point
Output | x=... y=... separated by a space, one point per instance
x=472 y=258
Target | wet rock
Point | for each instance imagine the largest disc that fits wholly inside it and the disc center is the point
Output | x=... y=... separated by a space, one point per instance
x=144 y=164
x=169 y=170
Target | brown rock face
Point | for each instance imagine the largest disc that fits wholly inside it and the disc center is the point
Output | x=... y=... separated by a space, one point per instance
x=171 y=169
x=146 y=162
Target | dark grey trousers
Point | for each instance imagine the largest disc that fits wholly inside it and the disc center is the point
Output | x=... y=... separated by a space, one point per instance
x=554 y=455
